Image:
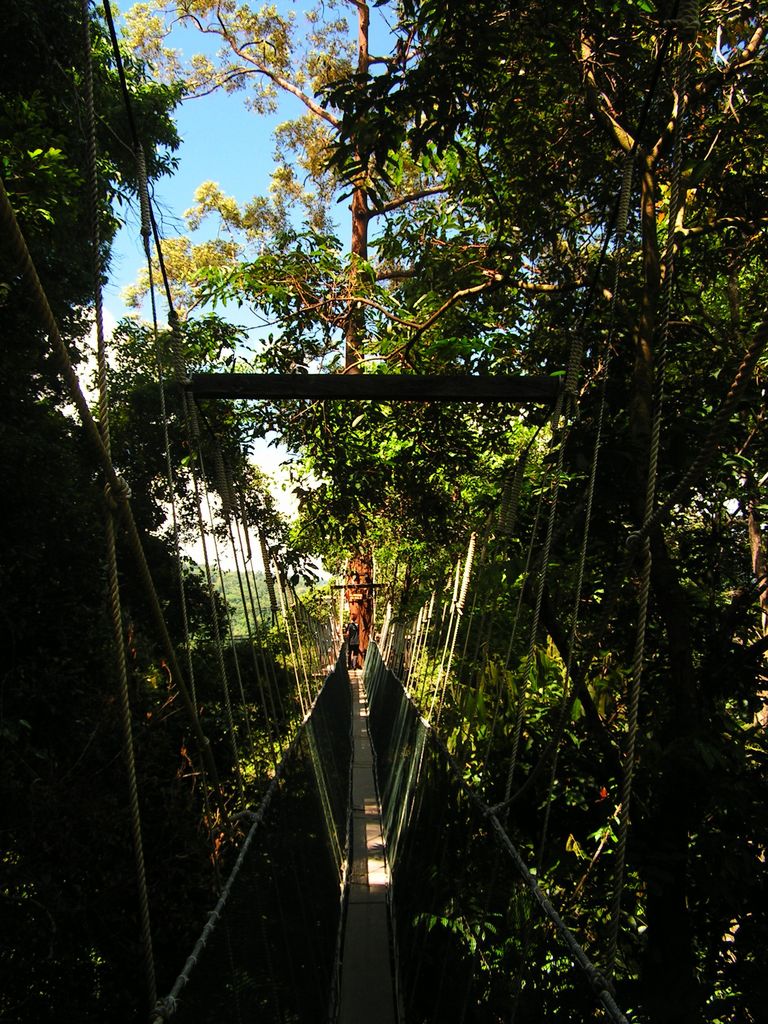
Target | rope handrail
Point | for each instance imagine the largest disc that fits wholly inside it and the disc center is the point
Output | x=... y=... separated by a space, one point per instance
x=166 y=1007
x=597 y=981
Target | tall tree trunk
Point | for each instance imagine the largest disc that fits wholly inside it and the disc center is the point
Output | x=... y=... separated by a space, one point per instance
x=359 y=589
x=355 y=326
x=359 y=594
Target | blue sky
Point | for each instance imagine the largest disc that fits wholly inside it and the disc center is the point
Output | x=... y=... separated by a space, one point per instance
x=222 y=141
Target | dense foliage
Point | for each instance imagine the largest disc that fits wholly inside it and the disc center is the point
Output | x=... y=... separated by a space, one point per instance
x=71 y=940
x=537 y=108
x=484 y=158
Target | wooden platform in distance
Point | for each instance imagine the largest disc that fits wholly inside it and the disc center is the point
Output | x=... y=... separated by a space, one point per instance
x=367 y=992
x=394 y=387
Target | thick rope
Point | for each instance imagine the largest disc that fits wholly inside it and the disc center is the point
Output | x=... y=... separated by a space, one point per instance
x=621 y=226
x=18 y=246
x=638 y=660
x=268 y=577
x=115 y=603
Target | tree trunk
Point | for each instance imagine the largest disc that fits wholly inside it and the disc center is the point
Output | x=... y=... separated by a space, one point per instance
x=355 y=327
x=359 y=594
x=759 y=570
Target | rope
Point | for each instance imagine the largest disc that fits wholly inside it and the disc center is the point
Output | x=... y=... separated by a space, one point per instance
x=650 y=498
x=621 y=225
x=597 y=981
x=18 y=246
x=269 y=578
x=115 y=604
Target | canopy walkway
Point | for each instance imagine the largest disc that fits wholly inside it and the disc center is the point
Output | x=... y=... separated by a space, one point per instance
x=347 y=906
x=380 y=846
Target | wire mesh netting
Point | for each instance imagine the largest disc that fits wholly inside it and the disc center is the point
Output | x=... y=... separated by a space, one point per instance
x=272 y=949
x=471 y=942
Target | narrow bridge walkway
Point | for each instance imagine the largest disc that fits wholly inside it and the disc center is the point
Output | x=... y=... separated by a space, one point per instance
x=367 y=992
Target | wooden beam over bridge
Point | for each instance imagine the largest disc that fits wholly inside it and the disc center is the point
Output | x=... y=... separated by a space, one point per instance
x=375 y=387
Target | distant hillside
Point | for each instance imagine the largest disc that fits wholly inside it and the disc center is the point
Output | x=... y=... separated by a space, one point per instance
x=260 y=599
x=234 y=600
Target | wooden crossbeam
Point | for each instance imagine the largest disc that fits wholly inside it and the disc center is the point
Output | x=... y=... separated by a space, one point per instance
x=375 y=387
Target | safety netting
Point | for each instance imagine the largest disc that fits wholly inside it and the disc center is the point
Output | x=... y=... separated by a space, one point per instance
x=472 y=943
x=269 y=950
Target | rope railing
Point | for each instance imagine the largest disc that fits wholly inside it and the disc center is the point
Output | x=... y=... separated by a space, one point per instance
x=302 y=822
x=422 y=786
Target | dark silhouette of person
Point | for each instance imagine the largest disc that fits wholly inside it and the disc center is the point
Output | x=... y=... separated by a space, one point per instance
x=352 y=636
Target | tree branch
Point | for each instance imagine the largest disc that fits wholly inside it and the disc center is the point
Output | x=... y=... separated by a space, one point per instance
x=600 y=103
x=742 y=59
x=412 y=197
x=286 y=86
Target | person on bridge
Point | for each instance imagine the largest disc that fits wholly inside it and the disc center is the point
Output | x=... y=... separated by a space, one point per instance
x=352 y=636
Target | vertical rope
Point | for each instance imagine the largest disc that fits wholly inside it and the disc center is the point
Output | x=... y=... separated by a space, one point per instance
x=462 y=598
x=538 y=593
x=115 y=604
x=638 y=660
x=268 y=577
x=566 y=704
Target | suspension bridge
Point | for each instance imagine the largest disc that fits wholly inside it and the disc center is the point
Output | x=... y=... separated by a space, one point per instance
x=397 y=864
